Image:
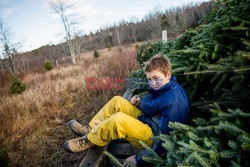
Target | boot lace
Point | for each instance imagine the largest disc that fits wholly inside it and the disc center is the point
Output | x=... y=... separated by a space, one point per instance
x=86 y=127
x=84 y=141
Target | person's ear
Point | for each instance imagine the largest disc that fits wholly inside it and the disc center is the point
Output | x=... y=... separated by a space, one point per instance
x=169 y=75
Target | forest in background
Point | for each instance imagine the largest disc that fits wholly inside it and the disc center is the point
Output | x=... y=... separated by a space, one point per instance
x=175 y=20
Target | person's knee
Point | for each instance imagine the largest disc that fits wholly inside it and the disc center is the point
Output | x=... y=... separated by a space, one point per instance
x=118 y=117
x=118 y=124
x=117 y=97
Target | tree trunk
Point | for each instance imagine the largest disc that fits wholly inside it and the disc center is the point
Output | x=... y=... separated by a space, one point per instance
x=117 y=35
x=10 y=65
x=72 y=52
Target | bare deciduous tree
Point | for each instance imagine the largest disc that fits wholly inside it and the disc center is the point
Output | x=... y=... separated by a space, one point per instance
x=63 y=9
x=12 y=59
x=8 y=49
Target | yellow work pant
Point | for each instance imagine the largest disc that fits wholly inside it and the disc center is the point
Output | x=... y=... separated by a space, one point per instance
x=118 y=120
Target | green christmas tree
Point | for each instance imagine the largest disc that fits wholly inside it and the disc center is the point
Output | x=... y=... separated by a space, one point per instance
x=212 y=62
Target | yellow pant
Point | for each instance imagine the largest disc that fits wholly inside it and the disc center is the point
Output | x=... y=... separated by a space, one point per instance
x=118 y=120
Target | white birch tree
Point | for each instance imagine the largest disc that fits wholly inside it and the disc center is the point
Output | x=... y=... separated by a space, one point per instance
x=64 y=10
x=7 y=47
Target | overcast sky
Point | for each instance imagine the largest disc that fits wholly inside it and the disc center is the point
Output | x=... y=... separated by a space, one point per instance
x=32 y=22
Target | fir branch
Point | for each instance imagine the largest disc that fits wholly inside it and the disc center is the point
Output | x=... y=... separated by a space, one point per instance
x=163 y=136
x=244 y=54
x=183 y=151
x=201 y=161
x=186 y=51
x=179 y=126
x=181 y=69
x=246 y=137
x=243 y=114
x=194 y=145
x=130 y=163
x=236 y=28
x=208 y=128
x=216 y=105
x=193 y=136
x=168 y=145
x=222 y=117
x=113 y=158
x=200 y=121
x=220 y=82
x=190 y=157
x=180 y=165
x=151 y=160
x=152 y=152
x=246 y=22
x=208 y=143
x=236 y=111
x=171 y=160
x=230 y=127
x=234 y=164
x=239 y=70
x=245 y=140
x=185 y=145
x=215 y=111
x=228 y=154
x=245 y=146
x=233 y=145
x=178 y=157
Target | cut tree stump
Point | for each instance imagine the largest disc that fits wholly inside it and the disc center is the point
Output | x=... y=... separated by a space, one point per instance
x=119 y=148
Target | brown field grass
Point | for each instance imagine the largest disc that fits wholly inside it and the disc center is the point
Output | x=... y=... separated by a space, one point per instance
x=33 y=124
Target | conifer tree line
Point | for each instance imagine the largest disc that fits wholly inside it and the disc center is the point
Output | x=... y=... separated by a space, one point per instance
x=176 y=20
x=212 y=62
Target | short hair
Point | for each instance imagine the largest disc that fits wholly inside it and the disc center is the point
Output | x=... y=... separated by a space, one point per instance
x=158 y=62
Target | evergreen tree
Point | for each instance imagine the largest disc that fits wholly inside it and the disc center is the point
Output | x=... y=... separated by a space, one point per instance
x=96 y=54
x=48 y=65
x=16 y=86
x=212 y=62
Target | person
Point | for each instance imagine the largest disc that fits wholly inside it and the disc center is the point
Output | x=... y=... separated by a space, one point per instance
x=137 y=119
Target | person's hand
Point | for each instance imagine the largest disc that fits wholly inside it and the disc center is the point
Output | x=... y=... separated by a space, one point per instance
x=130 y=159
x=135 y=100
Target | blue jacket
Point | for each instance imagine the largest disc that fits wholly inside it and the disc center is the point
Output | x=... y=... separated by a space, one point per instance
x=170 y=103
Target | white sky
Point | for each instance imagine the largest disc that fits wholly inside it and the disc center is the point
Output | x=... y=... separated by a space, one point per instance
x=32 y=22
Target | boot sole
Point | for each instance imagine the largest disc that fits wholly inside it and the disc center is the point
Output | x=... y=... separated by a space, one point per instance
x=66 y=147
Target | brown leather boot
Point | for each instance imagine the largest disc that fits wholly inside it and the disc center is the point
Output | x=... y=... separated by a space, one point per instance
x=77 y=145
x=78 y=129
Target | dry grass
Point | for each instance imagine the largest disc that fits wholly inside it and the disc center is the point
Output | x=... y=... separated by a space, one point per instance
x=33 y=124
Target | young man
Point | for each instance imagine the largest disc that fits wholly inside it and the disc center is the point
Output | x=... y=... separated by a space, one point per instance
x=138 y=119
